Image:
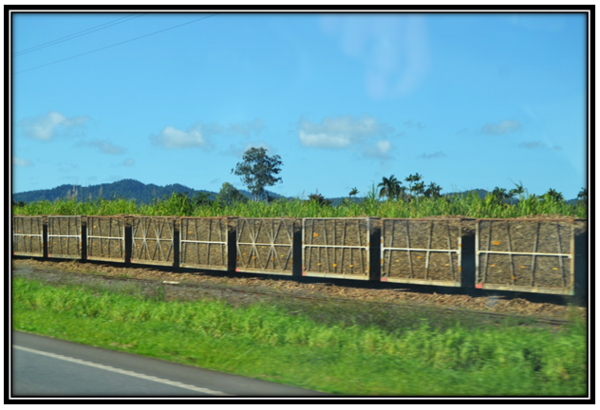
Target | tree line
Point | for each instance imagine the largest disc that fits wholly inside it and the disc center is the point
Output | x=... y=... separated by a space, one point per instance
x=258 y=170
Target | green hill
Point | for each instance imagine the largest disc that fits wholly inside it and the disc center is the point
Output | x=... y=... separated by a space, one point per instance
x=126 y=188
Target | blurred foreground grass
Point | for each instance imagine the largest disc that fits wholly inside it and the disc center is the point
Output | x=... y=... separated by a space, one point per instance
x=291 y=345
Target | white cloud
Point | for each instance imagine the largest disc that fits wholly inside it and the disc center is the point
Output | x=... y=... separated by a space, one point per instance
x=532 y=144
x=323 y=140
x=198 y=135
x=394 y=49
x=128 y=162
x=538 y=145
x=170 y=137
x=438 y=154
x=107 y=147
x=49 y=126
x=504 y=127
x=381 y=150
x=411 y=124
x=20 y=162
x=340 y=132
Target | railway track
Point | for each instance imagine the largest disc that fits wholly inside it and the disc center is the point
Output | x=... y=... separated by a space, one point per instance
x=336 y=299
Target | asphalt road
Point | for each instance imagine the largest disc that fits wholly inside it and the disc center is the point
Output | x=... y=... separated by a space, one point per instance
x=46 y=367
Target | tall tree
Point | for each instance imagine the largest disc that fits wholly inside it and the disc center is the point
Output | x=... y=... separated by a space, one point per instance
x=230 y=194
x=389 y=187
x=258 y=170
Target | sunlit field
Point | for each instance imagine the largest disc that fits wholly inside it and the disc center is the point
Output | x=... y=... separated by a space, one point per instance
x=182 y=205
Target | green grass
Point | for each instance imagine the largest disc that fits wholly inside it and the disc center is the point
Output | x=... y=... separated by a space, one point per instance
x=179 y=205
x=345 y=357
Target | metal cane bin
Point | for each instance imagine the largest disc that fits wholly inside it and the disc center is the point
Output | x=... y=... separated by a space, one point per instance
x=152 y=240
x=64 y=237
x=528 y=255
x=28 y=236
x=421 y=251
x=265 y=245
x=106 y=238
x=204 y=242
x=338 y=247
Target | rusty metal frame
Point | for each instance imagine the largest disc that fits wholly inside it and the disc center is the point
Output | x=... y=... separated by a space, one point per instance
x=143 y=226
x=307 y=249
x=77 y=237
x=456 y=282
x=222 y=243
x=91 y=237
x=31 y=236
x=480 y=277
x=272 y=235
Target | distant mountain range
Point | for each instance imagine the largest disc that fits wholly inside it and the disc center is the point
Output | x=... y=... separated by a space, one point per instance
x=145 y=193
x=126 y=188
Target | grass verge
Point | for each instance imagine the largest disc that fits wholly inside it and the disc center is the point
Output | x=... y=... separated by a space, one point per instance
x=265 y=341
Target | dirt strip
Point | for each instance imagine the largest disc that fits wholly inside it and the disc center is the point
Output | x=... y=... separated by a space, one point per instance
x=491 y=303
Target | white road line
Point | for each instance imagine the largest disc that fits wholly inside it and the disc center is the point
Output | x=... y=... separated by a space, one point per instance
x=126 y=372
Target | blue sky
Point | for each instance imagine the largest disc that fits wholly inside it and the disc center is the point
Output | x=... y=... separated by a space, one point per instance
x=466 y=100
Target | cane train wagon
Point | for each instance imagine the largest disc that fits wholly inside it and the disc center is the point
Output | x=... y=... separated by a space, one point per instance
x=547 y=256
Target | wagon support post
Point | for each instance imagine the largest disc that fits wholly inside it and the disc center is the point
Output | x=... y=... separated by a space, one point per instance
x=45 y=238
x=84 y=250
x=128 y=239
x=580 y=263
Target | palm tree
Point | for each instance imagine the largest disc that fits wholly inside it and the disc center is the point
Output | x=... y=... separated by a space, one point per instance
x=419 y=188
x=582 y=195
x=433 y=190
x=413 y=178
x=500 y=194
x=390 y=187
x=519 y=190
x=401 y=193
x=553 y=195
x=353 y=192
